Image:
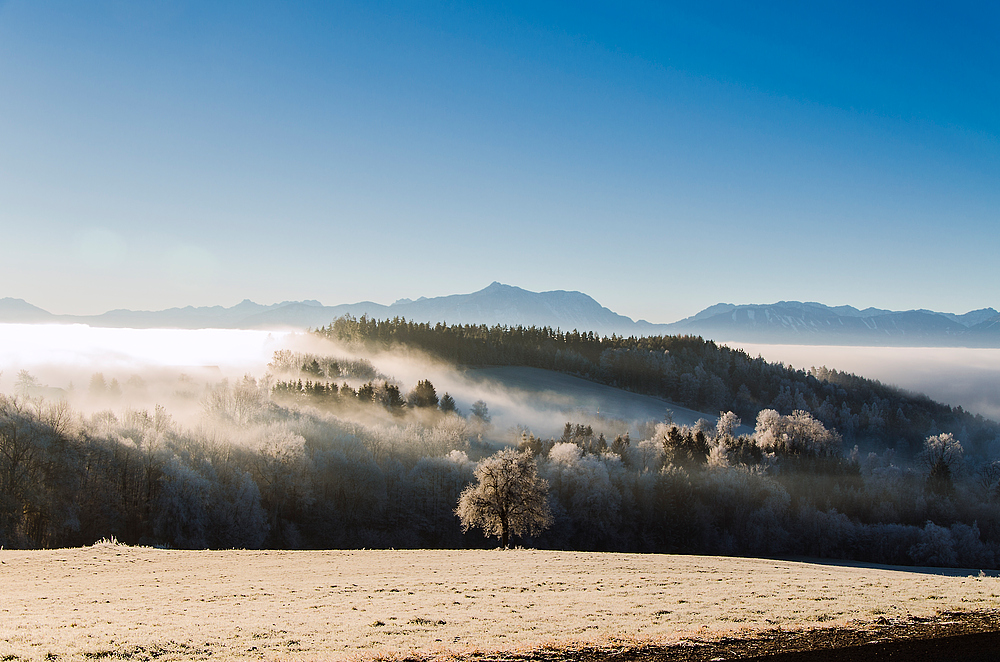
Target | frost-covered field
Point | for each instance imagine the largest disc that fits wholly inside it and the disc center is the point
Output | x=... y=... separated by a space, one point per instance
x=141 y=603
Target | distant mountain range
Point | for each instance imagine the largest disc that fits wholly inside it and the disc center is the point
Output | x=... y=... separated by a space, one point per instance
x=496 y=304
x=783 y=322
x=794 y=322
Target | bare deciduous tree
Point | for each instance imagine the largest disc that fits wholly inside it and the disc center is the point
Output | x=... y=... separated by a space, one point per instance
x=507 y=497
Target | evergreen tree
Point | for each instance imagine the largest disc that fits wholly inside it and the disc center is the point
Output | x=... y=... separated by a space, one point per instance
x=448 y=404
x=423 y=395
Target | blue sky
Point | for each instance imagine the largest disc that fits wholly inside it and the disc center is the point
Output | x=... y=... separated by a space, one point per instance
x=660 y=157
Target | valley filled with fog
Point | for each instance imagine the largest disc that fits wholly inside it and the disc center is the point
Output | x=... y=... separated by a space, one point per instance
x=174 y=368
x=958 y=376
x=66 y=356
x=365 y=433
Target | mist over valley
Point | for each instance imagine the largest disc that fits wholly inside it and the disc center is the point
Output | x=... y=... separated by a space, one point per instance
x=365 y=433
x=959 y=376
x=464 y=332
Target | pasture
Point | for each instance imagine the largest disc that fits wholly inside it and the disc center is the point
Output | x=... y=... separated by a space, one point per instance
x=113 y=601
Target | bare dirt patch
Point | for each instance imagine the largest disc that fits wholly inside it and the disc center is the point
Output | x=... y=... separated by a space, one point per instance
x=111 y=601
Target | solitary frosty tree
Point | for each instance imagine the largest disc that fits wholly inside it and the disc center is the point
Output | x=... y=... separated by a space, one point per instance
x=507 y=497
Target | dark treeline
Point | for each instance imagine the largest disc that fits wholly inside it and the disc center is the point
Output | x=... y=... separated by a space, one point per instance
x=251 y=473
x=693 y=372
x=321 y=393
x=257 y=474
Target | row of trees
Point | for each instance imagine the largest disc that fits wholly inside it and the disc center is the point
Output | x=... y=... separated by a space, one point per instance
x=385 y=393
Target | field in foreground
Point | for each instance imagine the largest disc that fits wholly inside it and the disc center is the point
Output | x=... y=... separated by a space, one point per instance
x=141 y=603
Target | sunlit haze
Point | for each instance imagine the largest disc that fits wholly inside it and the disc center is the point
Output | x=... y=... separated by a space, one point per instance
x=34 y=346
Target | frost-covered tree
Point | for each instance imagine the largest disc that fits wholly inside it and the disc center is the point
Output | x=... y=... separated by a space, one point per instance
x=942 y=448
x=726 y=426
x=184 y=505
x=242 y=403
x=796 y=434
x=942 y=454
x=507 y=498
x=581 y=483
x=646 y=456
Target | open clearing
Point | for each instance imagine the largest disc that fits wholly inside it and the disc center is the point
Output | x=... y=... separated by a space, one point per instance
x=143 y=603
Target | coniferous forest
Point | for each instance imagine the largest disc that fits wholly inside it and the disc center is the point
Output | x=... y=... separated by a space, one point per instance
x=330 y=451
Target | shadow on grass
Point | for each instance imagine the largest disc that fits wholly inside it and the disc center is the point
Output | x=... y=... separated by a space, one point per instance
x=923 y=570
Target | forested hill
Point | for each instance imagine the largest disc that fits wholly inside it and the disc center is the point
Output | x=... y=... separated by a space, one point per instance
x=692 y=372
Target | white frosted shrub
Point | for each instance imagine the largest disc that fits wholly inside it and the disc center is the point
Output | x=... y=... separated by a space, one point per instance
x=647 y=455
x=182 y=511
x=936 y=547
x=582 y=484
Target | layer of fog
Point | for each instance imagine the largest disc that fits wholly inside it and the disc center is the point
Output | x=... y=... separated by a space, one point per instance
x=518 y=398
x=104 y=368
x=74 y=349
x=957 y=376
x=137 y=368
x=152 y=366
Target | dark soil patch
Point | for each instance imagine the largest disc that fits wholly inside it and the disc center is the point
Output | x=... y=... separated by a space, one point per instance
x=959 y=636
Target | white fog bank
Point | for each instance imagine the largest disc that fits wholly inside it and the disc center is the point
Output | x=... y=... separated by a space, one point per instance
x=961 y=376
x=61 y=355
x=53 y=351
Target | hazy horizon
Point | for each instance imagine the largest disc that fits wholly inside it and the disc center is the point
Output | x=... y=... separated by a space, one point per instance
x=233 y=304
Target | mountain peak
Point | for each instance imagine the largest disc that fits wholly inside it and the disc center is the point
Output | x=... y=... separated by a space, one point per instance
x=19 y=310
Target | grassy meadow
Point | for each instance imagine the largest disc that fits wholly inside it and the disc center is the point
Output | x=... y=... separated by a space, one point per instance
x=114 y=601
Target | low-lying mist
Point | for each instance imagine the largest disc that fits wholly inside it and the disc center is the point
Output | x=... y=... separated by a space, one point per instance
x=957 y=376
x=96 y=369
x=518 y=398
x=99 y=368
x=60 y=353
x=249 y=439
x=173 y=367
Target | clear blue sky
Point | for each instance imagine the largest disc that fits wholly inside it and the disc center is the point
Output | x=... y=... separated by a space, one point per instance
x=660 y=157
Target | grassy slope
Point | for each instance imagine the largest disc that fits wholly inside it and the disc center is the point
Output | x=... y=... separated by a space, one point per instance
x=141 y=602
